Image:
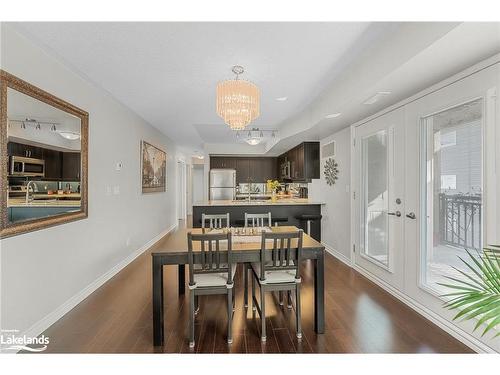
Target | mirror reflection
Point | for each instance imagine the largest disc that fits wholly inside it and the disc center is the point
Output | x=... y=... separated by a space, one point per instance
x=44 y=155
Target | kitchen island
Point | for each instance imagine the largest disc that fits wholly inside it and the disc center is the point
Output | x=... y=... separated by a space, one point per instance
x=285 y=211
x=43 y=205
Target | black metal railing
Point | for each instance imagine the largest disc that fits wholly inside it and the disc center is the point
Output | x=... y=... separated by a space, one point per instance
x=460 y=220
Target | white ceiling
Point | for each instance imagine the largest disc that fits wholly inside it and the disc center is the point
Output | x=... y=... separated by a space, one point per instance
x=167 y=72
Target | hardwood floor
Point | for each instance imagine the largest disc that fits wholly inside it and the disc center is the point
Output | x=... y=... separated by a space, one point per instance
x=360 y=318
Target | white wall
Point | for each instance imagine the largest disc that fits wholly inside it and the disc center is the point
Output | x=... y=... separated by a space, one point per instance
x=336 y=221
x=43 y=270
x=198 y=185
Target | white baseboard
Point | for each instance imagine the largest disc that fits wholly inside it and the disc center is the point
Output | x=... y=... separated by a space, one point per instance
x=40 y=326
x=329 y=249
x=441 y=322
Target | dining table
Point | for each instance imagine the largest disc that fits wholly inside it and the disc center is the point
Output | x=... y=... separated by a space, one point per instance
x=172 y=250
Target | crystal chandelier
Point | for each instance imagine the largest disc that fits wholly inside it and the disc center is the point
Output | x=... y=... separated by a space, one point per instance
x=237 y=101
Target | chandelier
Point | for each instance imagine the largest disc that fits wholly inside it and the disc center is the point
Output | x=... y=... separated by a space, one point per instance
x=237 y=101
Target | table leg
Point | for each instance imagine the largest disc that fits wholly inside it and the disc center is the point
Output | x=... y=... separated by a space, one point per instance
x=319 y=293
x=157 y=301
x=182 y=278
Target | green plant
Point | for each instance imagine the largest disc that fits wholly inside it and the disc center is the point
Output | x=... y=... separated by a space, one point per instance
x=478 y=294
x=272 y=185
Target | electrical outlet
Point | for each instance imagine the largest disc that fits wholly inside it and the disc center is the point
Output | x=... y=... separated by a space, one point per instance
x=116 y=189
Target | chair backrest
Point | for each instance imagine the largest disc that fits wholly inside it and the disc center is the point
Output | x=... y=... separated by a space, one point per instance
x=215 y=221
x=257 y=220
x=284 y=256
x=210 y=259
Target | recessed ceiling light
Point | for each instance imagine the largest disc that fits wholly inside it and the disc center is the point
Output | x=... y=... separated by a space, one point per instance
x=333 y=115
x=282 y=98
x=376 y=97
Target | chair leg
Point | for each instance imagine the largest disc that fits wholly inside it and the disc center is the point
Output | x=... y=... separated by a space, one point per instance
x=191 y=319
x=245 y=277
x=280 y=297
x=298 y=312
x=253 y=294
x=263 y=314
x=196 y=305
x=230 y=316
x=289 y=293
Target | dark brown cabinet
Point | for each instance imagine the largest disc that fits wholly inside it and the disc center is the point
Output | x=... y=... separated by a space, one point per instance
x=53 y=164
x=27 y=151
x=59 y=165
x=303 y=162
x=248 y=169
x=71 y=166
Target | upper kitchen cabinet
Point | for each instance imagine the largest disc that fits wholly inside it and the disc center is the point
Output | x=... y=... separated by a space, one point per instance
x=248 y=169
x=71 y=166
x=301 y=163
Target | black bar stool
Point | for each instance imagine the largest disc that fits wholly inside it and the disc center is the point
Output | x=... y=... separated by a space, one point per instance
x=308 y=218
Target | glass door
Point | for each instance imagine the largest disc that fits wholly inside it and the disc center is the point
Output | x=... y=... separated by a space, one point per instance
x=452 y=192
x=380 y=202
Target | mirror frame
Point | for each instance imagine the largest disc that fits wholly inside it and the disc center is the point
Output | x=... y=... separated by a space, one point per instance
x=7 y=229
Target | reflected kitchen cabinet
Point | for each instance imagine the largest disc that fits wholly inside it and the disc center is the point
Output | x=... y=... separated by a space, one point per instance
x=53 y=164
x=71 y=166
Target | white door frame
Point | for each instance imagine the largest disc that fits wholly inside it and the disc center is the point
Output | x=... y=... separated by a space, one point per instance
x=181 y=195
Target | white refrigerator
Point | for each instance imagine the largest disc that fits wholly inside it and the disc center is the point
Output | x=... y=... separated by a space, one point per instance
x=222 y=184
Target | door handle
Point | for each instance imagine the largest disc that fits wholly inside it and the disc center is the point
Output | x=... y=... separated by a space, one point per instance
x=411 y=215
x=397 y=213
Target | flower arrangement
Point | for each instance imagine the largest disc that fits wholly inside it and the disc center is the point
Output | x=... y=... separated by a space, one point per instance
x=272 y=186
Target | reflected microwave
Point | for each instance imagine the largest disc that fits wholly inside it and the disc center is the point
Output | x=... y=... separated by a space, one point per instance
x=29 y=167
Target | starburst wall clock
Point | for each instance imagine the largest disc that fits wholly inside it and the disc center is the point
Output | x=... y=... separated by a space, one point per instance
x=331 y=171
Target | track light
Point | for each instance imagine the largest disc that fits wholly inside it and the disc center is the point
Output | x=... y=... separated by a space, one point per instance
x=53 y=127
x=38 y=127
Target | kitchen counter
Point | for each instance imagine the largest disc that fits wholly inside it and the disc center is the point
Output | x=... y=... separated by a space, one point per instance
x=45 y=202
x=257 y=202
x=285 y=211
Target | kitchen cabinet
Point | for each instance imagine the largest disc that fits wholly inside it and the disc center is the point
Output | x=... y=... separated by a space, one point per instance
x=26 y=151
x=248 y=169
x=242 y=170
x=53 y=164
x=303 y=160
x=71 y=166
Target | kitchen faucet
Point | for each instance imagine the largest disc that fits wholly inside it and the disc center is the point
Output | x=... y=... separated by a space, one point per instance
x=28 y=191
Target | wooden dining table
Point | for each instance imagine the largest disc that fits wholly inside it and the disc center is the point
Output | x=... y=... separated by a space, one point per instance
x=173 y=250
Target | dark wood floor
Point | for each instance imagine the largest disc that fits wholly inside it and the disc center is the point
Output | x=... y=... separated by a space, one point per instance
x=360 y=318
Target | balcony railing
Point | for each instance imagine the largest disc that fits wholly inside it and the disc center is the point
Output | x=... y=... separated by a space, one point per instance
x=460 y=220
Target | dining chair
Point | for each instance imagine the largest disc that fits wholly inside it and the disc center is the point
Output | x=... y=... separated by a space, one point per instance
x=211 y=273
x=215 y=221
x=278 y=270
x=257 y=220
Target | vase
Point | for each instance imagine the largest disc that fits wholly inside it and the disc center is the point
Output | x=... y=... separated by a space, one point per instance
x=273 y=197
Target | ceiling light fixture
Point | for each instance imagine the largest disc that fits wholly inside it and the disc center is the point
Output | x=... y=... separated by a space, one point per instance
x=253 y=141
x=375 y=98
x=282 y=99
x=333 y=115
x=72 y=136
x=53 y=127
x=238 y=101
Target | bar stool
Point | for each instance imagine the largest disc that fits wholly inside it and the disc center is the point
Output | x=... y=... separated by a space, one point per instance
x=308 y=218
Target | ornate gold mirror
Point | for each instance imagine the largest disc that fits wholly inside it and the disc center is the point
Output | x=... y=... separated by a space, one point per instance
x=44 y=145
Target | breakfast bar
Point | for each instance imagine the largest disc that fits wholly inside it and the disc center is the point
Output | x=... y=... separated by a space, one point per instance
x=288 y=211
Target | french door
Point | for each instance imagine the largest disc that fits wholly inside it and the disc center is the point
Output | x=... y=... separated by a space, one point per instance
x=426 y=184
x=379 y=205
